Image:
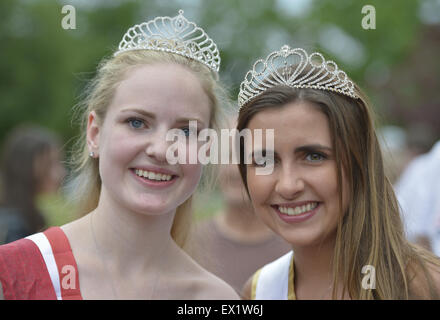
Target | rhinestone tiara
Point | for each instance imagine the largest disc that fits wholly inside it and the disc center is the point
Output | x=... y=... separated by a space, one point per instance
x=296 y=69
x=174 y=35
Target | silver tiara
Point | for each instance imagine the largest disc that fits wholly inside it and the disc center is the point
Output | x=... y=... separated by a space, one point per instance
x=296 y=69
x=175 y=35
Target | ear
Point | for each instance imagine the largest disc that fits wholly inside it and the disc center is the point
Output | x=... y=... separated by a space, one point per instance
x=93 y=131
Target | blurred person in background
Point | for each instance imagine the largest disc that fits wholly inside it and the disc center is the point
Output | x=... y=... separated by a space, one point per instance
x=396 y=153
x=30 y=167
x=400 y=146
x=420 y=139
x=418 y=192
x=234 y=243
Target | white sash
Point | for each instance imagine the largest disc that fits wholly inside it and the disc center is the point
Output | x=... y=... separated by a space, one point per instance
x=45 y=248
x=273 y=279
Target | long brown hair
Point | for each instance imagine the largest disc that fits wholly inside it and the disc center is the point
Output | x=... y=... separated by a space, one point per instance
x=371 y=231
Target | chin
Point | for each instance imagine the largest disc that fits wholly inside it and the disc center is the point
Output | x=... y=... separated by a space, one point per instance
x=300 y=242
x=150 y=208
x=304 y=238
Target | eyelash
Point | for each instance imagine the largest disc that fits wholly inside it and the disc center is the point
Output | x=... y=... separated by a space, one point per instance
x=321 y=155
x=187 y=132
x=131 y=120
x=187 y=129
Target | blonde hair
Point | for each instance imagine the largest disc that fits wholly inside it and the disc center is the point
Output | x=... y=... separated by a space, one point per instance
x=85 y=183
x=371 y=231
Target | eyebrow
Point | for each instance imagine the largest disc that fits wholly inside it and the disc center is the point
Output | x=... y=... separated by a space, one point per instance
x=143 y=112
x=153 y=116
x=311 y=147
x=186 y=120
x=305 y=148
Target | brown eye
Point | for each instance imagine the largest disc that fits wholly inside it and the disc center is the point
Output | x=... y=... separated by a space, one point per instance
x=315 y=157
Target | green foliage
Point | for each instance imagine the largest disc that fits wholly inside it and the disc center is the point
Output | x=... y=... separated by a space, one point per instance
x=43 y=68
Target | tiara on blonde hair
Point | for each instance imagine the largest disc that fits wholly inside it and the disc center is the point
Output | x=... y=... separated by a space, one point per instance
x=175 y=35
x=283 y=68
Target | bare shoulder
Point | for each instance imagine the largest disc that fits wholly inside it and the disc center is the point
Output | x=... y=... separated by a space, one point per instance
x=434 y=271
x=422 y=284
x=211 y=287
x=200 y=284
x=76 y=226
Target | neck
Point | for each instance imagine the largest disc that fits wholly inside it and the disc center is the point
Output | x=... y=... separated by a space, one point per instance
x=131 y=240
x=313 y=270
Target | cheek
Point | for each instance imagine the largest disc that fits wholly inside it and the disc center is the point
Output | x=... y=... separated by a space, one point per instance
x=116 y=157
x=118 y=147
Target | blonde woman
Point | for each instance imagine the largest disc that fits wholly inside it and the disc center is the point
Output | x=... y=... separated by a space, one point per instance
x=136 y=205
x=326 y=194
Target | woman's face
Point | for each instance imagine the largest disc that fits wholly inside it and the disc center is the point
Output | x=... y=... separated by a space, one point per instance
x=300 y=199
x=131 y=142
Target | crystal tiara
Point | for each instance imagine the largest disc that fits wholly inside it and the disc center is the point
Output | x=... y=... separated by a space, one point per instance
x=296 y=69
x=175 y=35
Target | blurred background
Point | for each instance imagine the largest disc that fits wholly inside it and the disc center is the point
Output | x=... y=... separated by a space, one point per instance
x=44 y=68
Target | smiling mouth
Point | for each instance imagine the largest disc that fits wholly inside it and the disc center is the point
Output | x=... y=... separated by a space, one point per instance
x=153 y=176
x=296 y=210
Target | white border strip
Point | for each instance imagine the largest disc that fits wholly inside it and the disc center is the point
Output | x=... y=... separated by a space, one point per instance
x=46 y=251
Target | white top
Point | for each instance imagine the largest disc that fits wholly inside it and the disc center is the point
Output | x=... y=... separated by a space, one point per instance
x=274 y=281
x=418 y=193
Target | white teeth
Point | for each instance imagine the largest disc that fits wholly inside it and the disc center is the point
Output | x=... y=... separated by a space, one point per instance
x=152 y=176
x=298 y=210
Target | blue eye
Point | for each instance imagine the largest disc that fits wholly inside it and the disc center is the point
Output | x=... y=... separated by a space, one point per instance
x=135 y=123
x=186 y=132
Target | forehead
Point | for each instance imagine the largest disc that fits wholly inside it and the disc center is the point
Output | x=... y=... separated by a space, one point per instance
x=167 y=89
x=294 y=124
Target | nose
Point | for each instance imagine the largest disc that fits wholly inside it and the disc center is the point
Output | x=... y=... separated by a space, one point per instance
x=157 y=146
x=290 y=183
